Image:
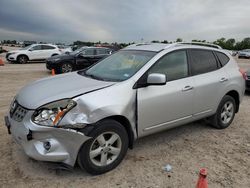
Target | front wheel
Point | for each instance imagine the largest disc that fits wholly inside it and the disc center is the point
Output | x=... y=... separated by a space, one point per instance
x=106 y=149
x=225 y=113
x=66 y=67
x=22 y=59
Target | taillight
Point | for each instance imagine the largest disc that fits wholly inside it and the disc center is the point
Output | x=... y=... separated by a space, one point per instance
x=243 y=73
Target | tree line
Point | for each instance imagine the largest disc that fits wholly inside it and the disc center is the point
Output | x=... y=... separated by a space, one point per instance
x=229 y=44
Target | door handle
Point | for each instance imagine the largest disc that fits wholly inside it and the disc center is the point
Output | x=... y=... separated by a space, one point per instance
x=187 y=88
x=223 y=79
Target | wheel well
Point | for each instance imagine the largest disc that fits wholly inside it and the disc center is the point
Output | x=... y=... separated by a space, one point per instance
x=236 y=97
x=22 y=55
x=125 y=122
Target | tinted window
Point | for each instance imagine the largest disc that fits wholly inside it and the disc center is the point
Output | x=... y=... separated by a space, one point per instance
x=222 y=58
x=173 y=65
x=202 y=61
x=100 y=51
x=47 y=47
x=88 y=52
x=38 y=47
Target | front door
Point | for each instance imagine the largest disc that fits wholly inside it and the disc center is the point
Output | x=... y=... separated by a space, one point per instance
x=163 y=106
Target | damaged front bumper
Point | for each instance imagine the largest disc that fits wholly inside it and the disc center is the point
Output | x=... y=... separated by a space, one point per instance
x=46 y=143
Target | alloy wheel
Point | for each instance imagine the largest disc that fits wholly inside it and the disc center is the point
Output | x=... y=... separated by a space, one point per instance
x=105 y=149
x=227 y=112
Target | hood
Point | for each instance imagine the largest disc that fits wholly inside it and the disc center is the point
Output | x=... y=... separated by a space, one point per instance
x=55 y=88
x=62 y=57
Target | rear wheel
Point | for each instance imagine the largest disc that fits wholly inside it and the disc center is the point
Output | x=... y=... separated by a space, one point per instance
x=22 y=59
x=66 y=67
x=225 y=113
x=106 y=149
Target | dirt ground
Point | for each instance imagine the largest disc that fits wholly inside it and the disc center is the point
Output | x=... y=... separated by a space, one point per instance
x=225 y=153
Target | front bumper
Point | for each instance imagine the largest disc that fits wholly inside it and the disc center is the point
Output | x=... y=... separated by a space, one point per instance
x=34 y=139
x=50 y=65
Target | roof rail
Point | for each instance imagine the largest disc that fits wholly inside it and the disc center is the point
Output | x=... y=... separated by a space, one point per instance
x=201 y=44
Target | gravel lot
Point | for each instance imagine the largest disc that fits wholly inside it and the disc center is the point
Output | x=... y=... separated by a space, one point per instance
x=225 y=153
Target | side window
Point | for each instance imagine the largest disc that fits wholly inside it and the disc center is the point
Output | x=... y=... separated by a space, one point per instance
x=47 y=47
x=37 y=47
x=173 y=65
x=101 y=51
x=222 y=58
x=88 y=52
x=202 y=61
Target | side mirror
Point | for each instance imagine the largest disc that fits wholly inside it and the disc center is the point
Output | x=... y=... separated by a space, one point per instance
x=156 y=79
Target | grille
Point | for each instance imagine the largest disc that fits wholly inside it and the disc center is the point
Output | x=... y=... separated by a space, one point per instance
x=17 y=112
x=248 y=77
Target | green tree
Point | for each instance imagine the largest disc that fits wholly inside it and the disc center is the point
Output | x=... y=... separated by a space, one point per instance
x=179 y=40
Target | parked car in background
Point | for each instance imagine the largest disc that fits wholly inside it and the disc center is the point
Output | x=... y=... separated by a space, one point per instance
x=248 y=80
x=244 y=53
x=2 y=50
x=79 y=59
x=92 y=116
x=34 y=52
x=65 y=49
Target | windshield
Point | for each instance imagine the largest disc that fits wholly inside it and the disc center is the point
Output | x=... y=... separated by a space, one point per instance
x=119 y=66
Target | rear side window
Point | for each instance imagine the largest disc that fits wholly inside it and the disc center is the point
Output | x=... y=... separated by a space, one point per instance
x=202 y=61
x=222 y=58
x=88 y=52
x=47 y=47
x=173 y=65
x=101 y=51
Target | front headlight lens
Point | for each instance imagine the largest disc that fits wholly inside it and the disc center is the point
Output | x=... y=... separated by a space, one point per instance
x=52 y=113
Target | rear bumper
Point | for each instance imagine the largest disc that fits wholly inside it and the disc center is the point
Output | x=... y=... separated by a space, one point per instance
x=46 y=143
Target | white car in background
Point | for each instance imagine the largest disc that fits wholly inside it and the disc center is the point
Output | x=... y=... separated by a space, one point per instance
x=244 y=53
x=65 y=49
x=34 y=52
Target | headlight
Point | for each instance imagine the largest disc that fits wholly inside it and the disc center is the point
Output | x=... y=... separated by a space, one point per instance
x=52 y=113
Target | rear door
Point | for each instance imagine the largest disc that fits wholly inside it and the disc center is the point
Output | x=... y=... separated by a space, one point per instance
x=163 y=106
x=86 y=58
x=47 y=51
x=209 y=81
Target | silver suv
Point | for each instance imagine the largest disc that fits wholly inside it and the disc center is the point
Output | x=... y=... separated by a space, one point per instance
x=92 y=116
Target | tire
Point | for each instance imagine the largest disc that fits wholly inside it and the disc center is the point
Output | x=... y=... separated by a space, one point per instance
x=107 y=156
x=224 y=114
x=22 y=59
x=66 y=67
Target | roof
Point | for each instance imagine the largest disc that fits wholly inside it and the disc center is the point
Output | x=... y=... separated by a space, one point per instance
x=156 y=47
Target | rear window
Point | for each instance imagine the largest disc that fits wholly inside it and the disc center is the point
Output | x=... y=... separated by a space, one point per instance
x=222 y=58
x=202 y=61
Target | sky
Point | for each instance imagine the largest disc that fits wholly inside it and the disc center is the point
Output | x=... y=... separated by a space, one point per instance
x=123 y=20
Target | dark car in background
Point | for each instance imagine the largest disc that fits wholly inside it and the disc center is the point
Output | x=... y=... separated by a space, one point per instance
x=248 y=80
x=79 y=59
